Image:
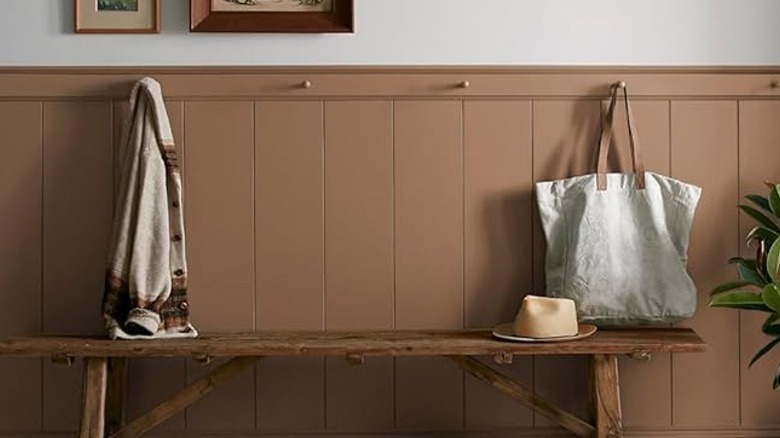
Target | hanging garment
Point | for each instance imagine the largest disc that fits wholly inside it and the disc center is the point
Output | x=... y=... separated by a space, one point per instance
x=146 y=282
x=617 y=242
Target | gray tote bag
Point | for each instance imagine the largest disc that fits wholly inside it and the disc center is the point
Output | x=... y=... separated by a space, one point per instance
x=616 y=242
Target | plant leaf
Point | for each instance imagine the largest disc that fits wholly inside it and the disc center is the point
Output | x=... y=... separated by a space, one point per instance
x=760 y=201
x=769 y=327
x=771 y=297
x=771 y=319
x=762 y=233
x=734 y=260
x=763 y=351
x=740 y=299
x=773 y=260
x=774 y=200
x=729 y=286
x=748 y=271
x=776 y=381
x=760 y=217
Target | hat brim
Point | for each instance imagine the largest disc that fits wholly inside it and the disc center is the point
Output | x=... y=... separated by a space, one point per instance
x=506 y=332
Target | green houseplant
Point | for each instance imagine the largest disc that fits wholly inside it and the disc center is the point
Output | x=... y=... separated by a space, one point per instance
x=758 y=287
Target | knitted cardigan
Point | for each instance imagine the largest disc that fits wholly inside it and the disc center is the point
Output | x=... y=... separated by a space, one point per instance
x=145 y=293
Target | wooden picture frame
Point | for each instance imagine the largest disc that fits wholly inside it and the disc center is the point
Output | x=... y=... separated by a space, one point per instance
x=116 y=16
x=204 y=18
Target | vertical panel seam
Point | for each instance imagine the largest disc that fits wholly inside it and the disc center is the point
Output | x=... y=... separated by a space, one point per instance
x=533 y=239
x=323 y=194
x=42 y=109
x=739 y=312
x=395 y=214
x=463 y=243
x=463 y=216
x=671 y=355
x=395 y=267
x=255 y=366
x=184 y=210
x=254 y=215
x=323 y=226
x=184 y=203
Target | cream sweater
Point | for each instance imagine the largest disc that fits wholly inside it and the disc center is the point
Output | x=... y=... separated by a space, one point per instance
x=146 y=280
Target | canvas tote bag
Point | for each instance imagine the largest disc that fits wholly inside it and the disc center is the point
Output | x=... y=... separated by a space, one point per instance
x=617 y=242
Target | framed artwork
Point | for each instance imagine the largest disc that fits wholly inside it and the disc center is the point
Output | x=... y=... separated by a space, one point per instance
x=116 y=16
x=316 y=16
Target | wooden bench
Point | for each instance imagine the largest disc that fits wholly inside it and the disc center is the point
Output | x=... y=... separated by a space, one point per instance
x=105 y=373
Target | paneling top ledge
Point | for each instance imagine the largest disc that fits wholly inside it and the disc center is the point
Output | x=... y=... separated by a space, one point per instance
x=378 y=82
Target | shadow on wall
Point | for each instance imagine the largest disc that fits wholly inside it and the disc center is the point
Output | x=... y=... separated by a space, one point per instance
x=66 y=21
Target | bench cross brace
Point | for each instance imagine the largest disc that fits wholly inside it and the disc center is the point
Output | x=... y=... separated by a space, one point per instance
x=606 y=396
x=103 y=416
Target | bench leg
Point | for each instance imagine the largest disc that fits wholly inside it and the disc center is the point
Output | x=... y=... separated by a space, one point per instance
x=93 y=398
x=606 y=396
x=116 y=394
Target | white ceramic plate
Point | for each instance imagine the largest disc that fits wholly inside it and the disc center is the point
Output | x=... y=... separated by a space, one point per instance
x=506 y=332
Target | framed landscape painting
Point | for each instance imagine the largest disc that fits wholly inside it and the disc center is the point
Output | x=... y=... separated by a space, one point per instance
x=271 y=16
x=116 y=16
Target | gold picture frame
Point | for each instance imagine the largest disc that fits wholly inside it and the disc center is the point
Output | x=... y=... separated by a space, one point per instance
x=116 y=16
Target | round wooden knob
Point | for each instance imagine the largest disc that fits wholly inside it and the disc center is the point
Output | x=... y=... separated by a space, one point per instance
x=775 y=84
x=621 y=84
x=306 y=84
x=465 y=84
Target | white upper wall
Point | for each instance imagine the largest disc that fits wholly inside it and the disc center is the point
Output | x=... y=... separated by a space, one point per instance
x=413 y=32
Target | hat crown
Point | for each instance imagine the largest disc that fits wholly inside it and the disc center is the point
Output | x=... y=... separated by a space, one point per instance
x=545 y=317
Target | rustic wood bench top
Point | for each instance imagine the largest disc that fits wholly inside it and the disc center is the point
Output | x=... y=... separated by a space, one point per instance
x=396 y=343
x=105 y=373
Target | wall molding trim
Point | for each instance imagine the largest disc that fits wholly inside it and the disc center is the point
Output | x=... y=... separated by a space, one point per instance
x=386 y=82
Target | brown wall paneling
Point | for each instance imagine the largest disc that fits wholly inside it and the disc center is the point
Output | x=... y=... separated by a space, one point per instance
x=646 y=404
x=290 y=257
x=21 y=176
x=704 y=153
x=429 y=255
x=498 y=255
x=429 y=214
x=434 y=209
x=359 y=215
x=289 y=215
x=219 y=208
x=77 y=200
x=360 y=397
x=154 y=379
x=565 y=141
x=359 y=269
x=759 y=142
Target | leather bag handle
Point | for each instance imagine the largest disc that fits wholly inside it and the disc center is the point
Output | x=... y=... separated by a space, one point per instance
x=606 y=140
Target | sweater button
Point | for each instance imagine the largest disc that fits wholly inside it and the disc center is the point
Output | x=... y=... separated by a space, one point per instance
x=175 y=204
x=178 y=272
x=176 y=238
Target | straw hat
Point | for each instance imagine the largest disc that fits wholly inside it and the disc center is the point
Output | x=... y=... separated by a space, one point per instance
x=544 y=319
